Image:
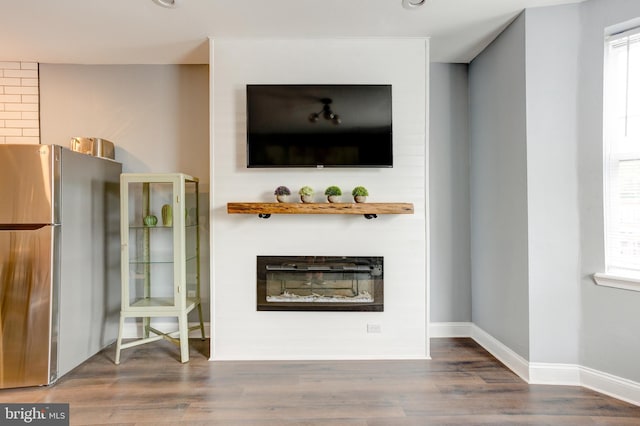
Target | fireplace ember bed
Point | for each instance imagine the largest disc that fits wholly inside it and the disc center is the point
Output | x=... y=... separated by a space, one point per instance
x=320 y=283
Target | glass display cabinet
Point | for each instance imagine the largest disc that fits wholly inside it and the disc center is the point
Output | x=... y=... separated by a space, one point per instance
x=160 y=257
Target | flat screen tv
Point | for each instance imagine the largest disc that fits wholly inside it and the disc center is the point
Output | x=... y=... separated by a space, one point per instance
x=319 y=125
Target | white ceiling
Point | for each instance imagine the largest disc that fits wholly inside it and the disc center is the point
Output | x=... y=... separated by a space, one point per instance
x=140 y=32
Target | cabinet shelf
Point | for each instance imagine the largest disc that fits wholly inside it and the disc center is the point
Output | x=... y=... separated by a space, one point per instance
x=161 y=302
x=159 y=261
x=369 y=210
x=143 y=227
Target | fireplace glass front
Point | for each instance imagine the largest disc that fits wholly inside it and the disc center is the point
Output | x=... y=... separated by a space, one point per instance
x=320 y=283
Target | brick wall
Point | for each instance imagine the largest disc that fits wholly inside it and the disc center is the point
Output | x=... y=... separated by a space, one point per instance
x=19 y=103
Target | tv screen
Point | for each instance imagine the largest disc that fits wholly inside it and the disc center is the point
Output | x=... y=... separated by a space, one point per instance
x=319 y=126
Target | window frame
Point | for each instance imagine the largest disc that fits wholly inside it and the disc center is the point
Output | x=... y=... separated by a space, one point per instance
x=616 y=276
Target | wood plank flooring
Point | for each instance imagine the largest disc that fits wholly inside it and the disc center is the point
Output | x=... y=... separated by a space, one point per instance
x=461 y=385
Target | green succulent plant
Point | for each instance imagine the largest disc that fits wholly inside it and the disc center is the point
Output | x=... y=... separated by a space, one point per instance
x=360 y=191
x=333 y=190
x=282 y=190
x=305 y=190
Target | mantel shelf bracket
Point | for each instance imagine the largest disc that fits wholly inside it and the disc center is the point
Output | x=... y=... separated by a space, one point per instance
x=268 y=215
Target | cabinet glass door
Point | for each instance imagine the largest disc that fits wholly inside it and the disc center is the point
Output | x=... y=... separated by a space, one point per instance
x=192 y=240
x=151 y=248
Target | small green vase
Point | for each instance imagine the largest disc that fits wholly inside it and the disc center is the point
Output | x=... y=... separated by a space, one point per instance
x=150 y=220
x=167 y=215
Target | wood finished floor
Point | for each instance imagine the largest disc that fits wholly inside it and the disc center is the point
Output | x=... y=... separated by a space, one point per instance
x=461 y=385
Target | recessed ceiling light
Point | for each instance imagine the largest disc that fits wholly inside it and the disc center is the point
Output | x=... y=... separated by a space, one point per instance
x=412 y=4
x=167 y=3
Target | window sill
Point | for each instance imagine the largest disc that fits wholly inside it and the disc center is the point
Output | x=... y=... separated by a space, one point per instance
x=617 y=281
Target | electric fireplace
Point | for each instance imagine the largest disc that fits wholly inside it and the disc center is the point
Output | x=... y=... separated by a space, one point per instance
x=320 y=283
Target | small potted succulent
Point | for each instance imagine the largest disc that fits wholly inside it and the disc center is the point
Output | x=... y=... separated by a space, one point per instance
x=306 y=194
x=360 y=194
x=282 y=194
x=333 y=194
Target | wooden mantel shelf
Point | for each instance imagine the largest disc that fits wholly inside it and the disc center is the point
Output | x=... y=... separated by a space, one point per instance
x=369 y=210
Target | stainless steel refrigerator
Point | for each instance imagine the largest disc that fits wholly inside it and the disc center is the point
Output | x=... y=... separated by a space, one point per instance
x=59 y=261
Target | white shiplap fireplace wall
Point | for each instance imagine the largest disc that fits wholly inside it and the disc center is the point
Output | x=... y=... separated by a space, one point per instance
x=238 y=330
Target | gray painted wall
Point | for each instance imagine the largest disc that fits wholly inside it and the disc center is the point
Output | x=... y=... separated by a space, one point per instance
x=500 y=302
x=449 y=193
x=610 y=341
x=157 y=116
x=552 y=40
x=551 y=60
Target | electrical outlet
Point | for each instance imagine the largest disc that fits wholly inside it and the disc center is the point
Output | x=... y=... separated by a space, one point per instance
x=374 y=328
x=191 y=293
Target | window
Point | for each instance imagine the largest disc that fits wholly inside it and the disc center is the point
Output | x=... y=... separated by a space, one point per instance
x=622 y=155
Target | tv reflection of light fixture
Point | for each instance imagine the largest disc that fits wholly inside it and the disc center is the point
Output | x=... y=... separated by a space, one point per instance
x=325 y=112
x=167 y=3
x=412 y=4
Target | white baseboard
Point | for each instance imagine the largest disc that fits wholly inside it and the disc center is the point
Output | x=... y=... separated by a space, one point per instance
x=512 y=360
x=133 y=329
x=540 y=373
x=608 y=384
x=450 y=329
x=544 y=373
x=577 y=375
